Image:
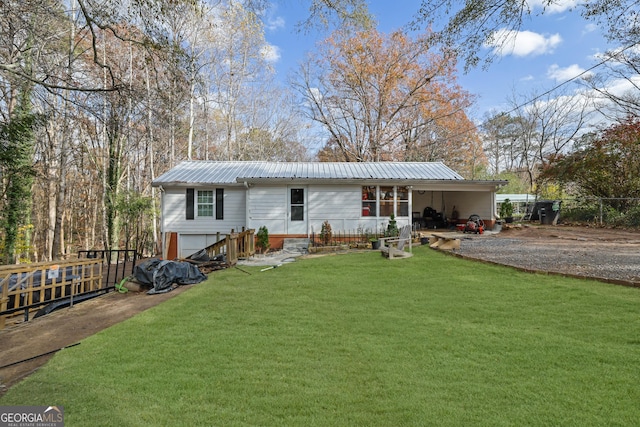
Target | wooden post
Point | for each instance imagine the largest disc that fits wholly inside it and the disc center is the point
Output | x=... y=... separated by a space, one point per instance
x=232 y=248
x=4 y=299
x=252 y=242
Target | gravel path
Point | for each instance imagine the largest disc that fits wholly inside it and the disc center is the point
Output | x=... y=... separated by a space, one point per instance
x=613 y=257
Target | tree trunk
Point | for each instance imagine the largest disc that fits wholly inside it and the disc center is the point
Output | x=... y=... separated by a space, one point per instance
x=151 y=154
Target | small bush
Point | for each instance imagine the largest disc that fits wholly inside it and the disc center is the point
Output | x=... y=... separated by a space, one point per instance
x=590 y=213
x=614 y=217
x=628 y=219
x=506 y=209
x=392 y=227
x=633 y=217
x=580 y=214
x=262 y=239
x=326 y=233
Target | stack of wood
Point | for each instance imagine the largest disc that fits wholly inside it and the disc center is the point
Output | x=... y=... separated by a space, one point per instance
x=206 y=263
x=207 y=267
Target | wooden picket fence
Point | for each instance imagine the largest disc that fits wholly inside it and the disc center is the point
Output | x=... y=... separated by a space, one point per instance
x=30 y=288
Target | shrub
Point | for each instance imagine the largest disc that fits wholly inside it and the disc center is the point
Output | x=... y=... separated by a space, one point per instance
x=506 y=209
x=580 y=214
x=590 y=213
x=392 y=227
x=627 y=219
x=325 y=233
x=262 y=239
x=633 y=217
x=613 y=217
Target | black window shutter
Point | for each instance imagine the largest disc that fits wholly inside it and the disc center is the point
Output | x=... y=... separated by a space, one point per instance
x=190 y=200
x=219 y=203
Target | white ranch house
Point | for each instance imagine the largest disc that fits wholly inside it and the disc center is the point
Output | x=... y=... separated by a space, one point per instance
x=202 y=198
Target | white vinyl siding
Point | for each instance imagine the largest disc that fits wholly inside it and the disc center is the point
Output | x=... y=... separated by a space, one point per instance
x=268 y=206
x=340 y=205
x=173 y=213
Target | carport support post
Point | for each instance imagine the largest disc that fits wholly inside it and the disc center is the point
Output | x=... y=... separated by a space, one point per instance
x=410 y=209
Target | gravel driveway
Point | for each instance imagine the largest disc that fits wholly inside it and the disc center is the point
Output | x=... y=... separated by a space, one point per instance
x=609 y=255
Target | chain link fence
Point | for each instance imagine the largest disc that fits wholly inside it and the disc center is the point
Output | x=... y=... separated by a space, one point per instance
x=611 y=211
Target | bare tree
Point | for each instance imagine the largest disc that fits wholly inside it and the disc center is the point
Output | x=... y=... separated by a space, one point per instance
x=121 y=94
x=237 y=65
x=523 y=140
x=379 y=95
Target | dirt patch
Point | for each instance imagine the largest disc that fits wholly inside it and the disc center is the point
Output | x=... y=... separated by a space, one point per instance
x=589 y=234
x=66 y=327
x=612 y=255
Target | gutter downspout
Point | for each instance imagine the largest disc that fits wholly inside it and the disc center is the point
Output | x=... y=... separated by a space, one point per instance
x=410 y=207
x=247 y=198
x=163 y=242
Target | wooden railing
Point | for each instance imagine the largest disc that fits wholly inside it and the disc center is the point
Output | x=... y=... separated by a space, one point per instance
x=234 y=246
x=246 y=243
x=28 y=287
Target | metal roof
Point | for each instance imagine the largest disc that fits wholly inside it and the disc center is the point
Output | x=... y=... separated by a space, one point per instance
x=521 y=198
x=217 y=172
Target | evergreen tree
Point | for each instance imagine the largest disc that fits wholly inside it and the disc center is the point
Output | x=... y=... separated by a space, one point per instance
x=17 y=138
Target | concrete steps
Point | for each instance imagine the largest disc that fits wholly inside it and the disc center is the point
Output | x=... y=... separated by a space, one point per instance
x=295 y=245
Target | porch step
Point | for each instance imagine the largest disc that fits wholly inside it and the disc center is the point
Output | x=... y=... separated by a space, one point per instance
x=296 y=245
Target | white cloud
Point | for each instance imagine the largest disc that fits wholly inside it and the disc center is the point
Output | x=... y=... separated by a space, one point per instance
x=621 y=87
x=270 y=18
x=560 y=74
x=590 y=28
x=555 y=6
x=273 y=23
x=527 y=78
x=523 y=43
x=270 y=53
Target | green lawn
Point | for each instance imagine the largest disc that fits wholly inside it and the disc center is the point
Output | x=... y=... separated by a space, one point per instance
x=359 y=340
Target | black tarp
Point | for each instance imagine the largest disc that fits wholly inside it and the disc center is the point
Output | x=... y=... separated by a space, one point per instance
x=202 y=256
x=160 y=274
x=23 y=279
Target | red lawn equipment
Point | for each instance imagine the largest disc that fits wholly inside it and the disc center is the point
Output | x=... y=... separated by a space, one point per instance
x=474 y=224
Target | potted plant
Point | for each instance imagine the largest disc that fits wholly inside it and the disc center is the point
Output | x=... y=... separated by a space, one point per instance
x=375 y=243
x=506 y=211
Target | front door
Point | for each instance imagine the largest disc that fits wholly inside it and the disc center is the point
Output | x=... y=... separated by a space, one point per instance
x=297 y=210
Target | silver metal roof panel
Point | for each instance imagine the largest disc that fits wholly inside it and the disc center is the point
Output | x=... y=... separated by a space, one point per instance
x=232 y=172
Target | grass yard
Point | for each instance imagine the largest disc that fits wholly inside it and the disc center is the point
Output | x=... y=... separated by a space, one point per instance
x=359 y=340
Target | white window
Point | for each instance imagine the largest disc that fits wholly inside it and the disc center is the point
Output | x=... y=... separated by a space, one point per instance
x=205 y=203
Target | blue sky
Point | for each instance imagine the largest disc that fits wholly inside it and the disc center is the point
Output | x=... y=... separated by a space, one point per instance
x=550 y=49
